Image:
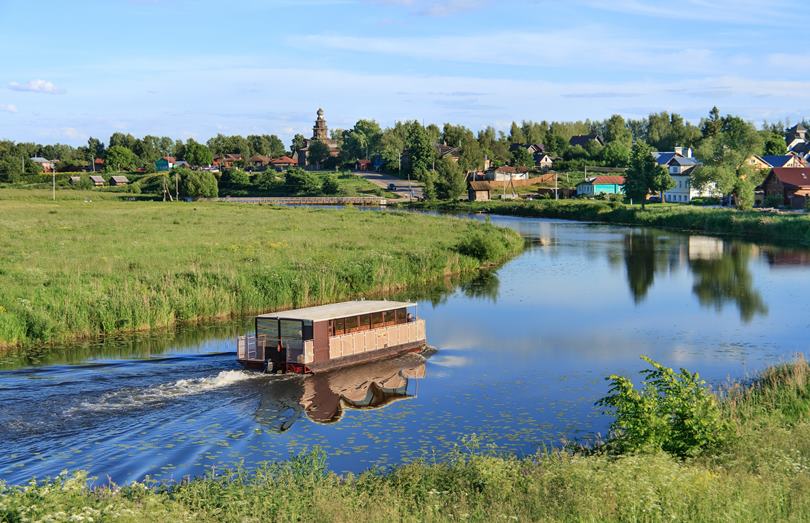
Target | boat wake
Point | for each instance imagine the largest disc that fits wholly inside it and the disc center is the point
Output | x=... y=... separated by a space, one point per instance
x=134 y=397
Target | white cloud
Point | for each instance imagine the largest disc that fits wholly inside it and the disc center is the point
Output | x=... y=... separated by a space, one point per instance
x=758 y=12
x=36 y=86
x=434 y=7
x=549 y=48
x=8 y=108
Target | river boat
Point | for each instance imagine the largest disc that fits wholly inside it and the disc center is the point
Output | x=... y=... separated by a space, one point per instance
x=327 y=337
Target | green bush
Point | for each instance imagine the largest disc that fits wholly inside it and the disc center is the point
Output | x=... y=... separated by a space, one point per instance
x=330 y=185
x=672 y=411
x=198 y=184
x=774 y=200
x=482 y=246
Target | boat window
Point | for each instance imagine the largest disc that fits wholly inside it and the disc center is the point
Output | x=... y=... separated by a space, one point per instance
x=390 y=317
x=376 y=320
x=308 y=331
x=267 y=327
x=340 y=326
x=351 y=324
x=365 y=322
x=291 y=329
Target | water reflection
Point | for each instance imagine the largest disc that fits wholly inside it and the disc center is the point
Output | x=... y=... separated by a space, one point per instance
x=324 y=398
x=720 y=269
x=727 y=279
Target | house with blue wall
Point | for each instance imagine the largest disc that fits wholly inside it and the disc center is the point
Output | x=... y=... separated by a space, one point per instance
x=601 y=185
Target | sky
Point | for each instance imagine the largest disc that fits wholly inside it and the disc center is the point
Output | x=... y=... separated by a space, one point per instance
x=192 y=69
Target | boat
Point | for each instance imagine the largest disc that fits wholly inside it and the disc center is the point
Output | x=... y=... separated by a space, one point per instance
x=327 y=337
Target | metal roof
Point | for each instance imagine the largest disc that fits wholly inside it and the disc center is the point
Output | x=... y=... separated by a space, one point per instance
x=338 y=310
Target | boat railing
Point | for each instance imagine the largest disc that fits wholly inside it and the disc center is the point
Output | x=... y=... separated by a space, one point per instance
x=375 y=339
x=251 y=347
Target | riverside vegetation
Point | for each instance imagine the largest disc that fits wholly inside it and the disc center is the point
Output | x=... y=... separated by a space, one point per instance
x=82 y=268
x=752 y=225
x=676 y=452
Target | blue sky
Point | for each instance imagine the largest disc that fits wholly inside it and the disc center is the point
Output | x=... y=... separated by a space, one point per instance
x=188 y=68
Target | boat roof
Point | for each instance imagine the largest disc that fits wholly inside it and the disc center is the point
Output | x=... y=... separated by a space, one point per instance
x=338 y=310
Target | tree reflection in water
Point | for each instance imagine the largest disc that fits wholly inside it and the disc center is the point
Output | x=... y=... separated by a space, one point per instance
x=639 y=258
x=727 y=279
x=721 y=269
x=485 y=285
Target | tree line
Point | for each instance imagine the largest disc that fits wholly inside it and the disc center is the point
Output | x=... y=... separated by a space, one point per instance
x=721 y=142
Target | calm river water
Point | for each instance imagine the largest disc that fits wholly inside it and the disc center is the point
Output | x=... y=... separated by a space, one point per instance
x=522 y=357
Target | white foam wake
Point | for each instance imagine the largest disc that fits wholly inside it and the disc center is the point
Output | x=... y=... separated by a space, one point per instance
x=130 y=398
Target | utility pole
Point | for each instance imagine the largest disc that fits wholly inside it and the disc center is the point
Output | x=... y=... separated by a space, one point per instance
x=556 y=193
x=53 y=176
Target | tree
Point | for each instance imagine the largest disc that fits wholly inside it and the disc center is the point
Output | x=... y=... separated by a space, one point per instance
x=318 y=153
x=616 y=154
x=330 y=185
x=516 y=134
x=197 y=184
x=299 y=181
x=95 y=149
x=711 y=125
x=661 y=181
x=235 y=178
x=275 y=146
x=197 y=154
x=429 y=179
x=521 y=157
x=298 y=142
x=643 y=170
x=420 y=151
x=120 y=158
x=450 y=181
x=774 y=144
x=11 y=169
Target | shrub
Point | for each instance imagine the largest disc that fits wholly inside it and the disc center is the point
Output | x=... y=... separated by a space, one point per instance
x=299 y=181
x=198 y=184
x=330 y=185
x=482 y=246
x=774 y=200
x=673 y=411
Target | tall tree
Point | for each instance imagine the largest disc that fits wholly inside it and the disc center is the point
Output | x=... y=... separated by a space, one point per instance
x=420 y=151
x=197 y=154
x=318 y=153
x=450 y=180
x=297 y=143
x=643 y=170
x=120 y=158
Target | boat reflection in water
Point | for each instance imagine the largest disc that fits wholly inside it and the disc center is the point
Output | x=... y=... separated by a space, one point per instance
x=324 y=397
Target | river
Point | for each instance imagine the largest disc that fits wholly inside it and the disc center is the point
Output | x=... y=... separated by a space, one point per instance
x=522 y=356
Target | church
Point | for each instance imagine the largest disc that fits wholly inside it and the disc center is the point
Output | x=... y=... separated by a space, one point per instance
x=320 y=133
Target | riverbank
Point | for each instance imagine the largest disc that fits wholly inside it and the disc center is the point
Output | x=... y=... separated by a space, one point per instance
x=761 y=473
x=792 y=229
x=84 y=267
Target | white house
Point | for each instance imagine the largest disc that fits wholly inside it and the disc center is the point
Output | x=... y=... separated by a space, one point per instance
x=681 y=164
x=506 y=173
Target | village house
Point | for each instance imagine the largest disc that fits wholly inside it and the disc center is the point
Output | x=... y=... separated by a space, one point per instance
x=601 y=185
x=681 y=164
x=479 y=191
x=46 y=165
x=98 y=164
x=769 y=162
x=227 y=161
x=795 y=136
x=165 y=164
x=583 y=140
x=75 y=179
x=506 y=173
x=445 y=151
x=283 y=162
x=543 y=161
x=792 y=185
x=119 y=180
x=320 y=133
x=259 y=161
x=97 y=181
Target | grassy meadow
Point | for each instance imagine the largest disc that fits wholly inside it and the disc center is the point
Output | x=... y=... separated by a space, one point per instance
x=793 y=229
x=761 y=473
x=91 y=263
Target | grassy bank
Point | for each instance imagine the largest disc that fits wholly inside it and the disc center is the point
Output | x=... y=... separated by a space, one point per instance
x=81 y=268
x=752 y=225
x=761 y=473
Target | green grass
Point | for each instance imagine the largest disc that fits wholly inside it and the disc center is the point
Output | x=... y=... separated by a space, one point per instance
x=761 y=474
x=81 y=268
x=793 y=229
